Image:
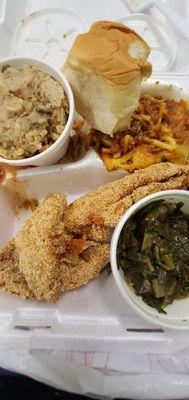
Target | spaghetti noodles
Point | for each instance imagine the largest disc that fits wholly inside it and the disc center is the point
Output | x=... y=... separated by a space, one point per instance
x=159 y=131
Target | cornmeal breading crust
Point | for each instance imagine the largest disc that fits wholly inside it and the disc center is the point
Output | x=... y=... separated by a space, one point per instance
x=12 y=280
x=87 y=268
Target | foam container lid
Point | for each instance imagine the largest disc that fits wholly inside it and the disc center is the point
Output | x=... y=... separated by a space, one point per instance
x=48 y=34
x=159 y=36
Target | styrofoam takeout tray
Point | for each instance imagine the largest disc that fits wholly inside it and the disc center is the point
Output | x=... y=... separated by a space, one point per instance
x=94 y=316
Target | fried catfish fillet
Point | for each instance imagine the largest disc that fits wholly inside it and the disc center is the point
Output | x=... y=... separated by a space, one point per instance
x=36 y=245
x=44 y=260
x=95 y=214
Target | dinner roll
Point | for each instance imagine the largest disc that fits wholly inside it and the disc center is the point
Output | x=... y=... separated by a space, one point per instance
x=105 y=67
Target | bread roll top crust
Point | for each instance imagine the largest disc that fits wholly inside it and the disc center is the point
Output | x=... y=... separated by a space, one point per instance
x=109 y=49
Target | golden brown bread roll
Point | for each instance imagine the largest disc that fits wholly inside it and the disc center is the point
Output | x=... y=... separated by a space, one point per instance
x=105 y=67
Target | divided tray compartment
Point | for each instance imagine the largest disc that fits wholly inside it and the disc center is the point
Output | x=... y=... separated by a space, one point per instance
x=94 y=317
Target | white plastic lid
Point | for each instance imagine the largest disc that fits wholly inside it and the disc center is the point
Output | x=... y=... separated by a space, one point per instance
x=159 y=36
x=48 y=35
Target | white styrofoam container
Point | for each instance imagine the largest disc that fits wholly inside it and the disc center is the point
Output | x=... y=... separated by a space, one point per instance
x=77 y=322
x=93 y=317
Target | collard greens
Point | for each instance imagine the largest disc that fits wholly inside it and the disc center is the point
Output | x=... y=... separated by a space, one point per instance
x=153 y=252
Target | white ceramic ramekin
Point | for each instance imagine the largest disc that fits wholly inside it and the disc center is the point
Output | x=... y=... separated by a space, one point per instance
x=58 y=148
x=177 y=316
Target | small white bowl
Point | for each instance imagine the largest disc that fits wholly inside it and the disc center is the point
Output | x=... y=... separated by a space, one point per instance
x=59 y=147
x=177 y=316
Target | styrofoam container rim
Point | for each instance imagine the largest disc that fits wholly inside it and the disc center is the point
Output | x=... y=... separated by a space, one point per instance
x=165 y=27
x=138 y=305
x=53 y=153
